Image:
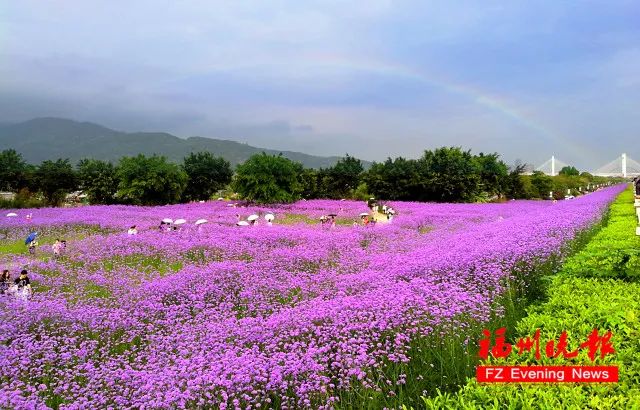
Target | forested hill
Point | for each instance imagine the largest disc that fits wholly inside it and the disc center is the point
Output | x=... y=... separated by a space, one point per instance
x=51 y=138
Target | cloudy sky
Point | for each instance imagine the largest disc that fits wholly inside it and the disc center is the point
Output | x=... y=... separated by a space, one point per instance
x=375 y=78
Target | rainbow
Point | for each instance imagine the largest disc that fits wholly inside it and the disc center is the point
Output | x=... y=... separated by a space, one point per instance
x=490 y=102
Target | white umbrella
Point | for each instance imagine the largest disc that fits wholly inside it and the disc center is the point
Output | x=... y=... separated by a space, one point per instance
x=364 y=214
x=252 y=217
x=167 y=220
x=201 y=221
x=12 y=214
x=180 y=221
x=269 y=217
x=220 y=199
x=243 y=223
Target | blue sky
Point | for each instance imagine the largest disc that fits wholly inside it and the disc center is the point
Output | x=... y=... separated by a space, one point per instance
x=375 y=79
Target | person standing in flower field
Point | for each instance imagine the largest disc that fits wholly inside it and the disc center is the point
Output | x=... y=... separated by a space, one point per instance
x=32 y=247
x=133 y=230
x=31 y=242
x=57 y=248
x=5 y=282
x=23 y=285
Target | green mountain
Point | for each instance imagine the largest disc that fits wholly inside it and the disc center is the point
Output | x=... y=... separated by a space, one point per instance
x=51 y=138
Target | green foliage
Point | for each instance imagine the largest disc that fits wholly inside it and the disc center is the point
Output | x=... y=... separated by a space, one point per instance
x=445 y=174
x=394 y=179
x=55 y=179
x=578 y=305
x=448 y=175
x=493 y=174
x=98 y=180
x=13 y=170
x=569 y=170
x=149 y=180
x=361 y=193
x=23 y=199
x=268 y=179
x=207 y=175
x=309 y=181
x=541 y=185
x=516 y=185
x=343 y=177
x=615 y=251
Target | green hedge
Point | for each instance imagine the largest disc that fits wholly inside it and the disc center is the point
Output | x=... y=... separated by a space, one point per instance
x=577 y=304
x=615 y=250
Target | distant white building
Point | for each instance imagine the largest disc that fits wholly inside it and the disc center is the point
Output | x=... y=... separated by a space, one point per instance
x=7 y=196
x=76 y=196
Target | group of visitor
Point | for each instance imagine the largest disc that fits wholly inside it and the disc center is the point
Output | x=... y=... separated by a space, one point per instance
x=20 y=287
x=253 y=220
x=328 y=221
x=368 y=220
x=388 y=211
x=377 y=208
x=166 y=226
x=58 y=247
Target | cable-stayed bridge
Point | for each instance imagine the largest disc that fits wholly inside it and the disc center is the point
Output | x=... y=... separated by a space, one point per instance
x=551 y=166
x=623 y=166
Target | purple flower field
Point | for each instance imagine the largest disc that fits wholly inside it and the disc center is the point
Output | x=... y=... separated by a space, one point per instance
x=282 y=316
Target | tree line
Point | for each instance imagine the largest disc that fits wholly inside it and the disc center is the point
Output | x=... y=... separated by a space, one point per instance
x=139 y=180
x=448 y=174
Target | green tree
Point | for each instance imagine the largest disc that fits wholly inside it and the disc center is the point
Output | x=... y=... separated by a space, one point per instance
x=13 y=170
x=98 y=179
x=516 y=186
x=309 y=181
x=493 y=173
x=344 y=177
x=268 y=179
x=448 y=174
x=207 y=174
x=395 y=179
x=55 y=179
x=569 y=171
x=150 y=180
x=541 y=184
